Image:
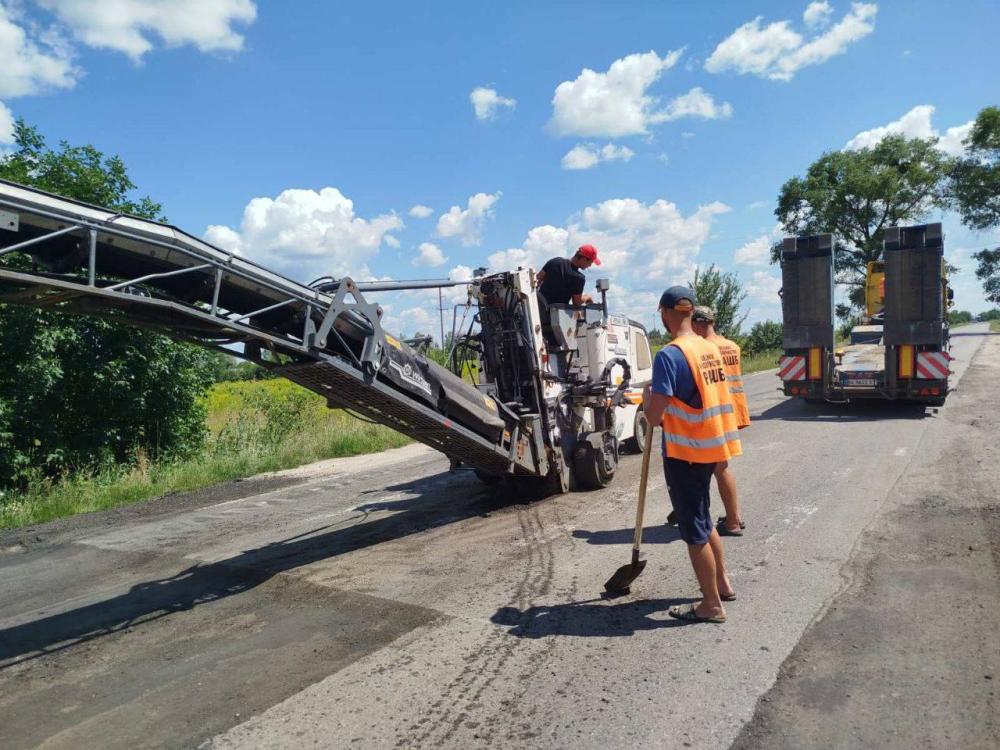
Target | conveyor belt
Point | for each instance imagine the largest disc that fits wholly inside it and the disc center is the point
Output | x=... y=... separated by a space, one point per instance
x=92 y=261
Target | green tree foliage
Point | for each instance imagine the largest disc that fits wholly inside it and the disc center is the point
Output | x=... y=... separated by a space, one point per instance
x=958 y=317
x=993 y=314
x=988 y=272
x=857 y=195
x=723 y=292
x=763 y=336
x=976 y=176
x=79 y=392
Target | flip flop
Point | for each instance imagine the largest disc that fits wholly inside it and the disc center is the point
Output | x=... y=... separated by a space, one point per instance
x=672 y=517
x=687 y=613
x=723 y=531
x=722 y=522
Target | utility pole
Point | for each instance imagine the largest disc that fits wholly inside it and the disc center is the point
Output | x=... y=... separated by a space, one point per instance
x=441 y=315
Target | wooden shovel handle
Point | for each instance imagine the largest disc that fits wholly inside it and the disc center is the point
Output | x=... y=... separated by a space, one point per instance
x=647 y=449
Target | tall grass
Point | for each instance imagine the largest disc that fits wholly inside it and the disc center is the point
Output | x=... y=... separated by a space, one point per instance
x=254 y=426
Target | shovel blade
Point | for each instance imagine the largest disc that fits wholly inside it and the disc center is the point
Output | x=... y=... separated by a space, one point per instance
x=619 y=584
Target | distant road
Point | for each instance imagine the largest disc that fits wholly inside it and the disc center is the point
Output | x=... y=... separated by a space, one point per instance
x=389 y=603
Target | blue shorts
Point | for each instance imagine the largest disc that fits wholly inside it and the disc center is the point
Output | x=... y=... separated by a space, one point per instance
x=689 y=486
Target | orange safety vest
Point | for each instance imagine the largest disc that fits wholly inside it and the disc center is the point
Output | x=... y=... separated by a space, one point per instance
x=734 y=375
x=708 y=434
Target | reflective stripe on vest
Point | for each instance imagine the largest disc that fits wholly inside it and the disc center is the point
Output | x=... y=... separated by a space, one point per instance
x=709 y=434
x=701 y=415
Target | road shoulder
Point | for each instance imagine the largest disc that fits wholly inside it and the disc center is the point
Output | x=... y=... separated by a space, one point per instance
x=906 y=655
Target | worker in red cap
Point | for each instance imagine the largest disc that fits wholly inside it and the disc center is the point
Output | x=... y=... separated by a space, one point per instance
x=561 y=279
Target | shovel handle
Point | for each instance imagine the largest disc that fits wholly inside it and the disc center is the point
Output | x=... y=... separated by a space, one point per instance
x=647 y=449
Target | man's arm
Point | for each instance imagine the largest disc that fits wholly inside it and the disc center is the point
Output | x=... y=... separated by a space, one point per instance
x=653 y=405
x=581 y=299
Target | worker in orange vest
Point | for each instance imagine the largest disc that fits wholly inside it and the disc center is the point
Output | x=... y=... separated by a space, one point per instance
x=703 y=322
x=689 y=397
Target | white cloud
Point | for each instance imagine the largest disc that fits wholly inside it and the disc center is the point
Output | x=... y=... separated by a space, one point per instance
x=610 y=104
x=764 y=287
x=915 y=124
x=6 y=125
x=757 y=252
x=421 y=212
x=695 y=103
x=468 y=224
x=587 y=155
x=307 y=233
x=818 y=13
x=32 y=61
x=687 y=134
x=128 y=25
x=430 y=255
x=486 y=102
x=778 y=52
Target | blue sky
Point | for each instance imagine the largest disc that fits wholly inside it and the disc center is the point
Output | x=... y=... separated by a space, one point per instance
x=302 y=134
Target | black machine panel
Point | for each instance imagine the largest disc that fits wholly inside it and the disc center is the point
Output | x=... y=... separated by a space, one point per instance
x=807 y=291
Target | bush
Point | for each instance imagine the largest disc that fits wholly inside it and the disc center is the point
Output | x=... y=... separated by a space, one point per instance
x=959 y=317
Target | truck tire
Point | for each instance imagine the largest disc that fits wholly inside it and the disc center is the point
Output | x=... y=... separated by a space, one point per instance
x=594 y=469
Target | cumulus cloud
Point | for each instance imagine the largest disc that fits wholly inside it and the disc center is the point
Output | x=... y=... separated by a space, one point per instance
x=695 y=103
x=429 y=255
x=467 y=224
x=421 y=212
x=486 y=103
x=307 y=233
x=916 y=124
x=6 y=125
x=778 y=52
x=587 y=155
x=637 y=242
x=817 y=13
x=757 y=252
x=128 y=26
x=614 y=103
x=763 y=287
x=32 y=61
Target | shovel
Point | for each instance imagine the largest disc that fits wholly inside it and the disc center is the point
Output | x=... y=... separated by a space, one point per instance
x=619 y=584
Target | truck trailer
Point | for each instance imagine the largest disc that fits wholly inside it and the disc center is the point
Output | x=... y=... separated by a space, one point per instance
x=898 y=352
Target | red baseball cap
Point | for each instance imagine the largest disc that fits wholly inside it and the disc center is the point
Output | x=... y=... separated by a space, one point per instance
x=590 y=252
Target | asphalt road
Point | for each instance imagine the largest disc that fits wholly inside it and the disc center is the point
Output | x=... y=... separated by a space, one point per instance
x=384 y=602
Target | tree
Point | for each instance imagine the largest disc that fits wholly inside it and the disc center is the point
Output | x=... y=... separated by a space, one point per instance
x=988 y=272
x=959 y=317
x=79 y=392
x=723 y=292
x=975 y=180
x=857 y=195
x=764 y=335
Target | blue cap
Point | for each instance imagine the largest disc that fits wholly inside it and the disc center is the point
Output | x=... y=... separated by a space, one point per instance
x=678 y=298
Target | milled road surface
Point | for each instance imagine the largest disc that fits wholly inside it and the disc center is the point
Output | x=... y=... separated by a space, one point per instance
x=387 y=603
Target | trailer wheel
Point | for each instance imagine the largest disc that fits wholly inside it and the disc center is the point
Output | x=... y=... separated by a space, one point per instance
x=595 y=468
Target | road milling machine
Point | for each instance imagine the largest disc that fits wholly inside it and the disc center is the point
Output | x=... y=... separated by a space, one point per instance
x=555 y=389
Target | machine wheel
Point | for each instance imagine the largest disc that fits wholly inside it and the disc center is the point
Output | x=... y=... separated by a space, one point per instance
x=594 y=468
x=634 y=444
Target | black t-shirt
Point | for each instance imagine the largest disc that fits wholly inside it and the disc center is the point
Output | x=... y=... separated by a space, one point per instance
x=562 y=281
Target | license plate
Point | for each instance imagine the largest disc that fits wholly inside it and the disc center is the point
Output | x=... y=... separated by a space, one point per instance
x=849 y=381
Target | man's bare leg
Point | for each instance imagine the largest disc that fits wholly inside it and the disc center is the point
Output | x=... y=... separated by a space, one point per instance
x=723 y=586
x=727 y=490
x=703 y=560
